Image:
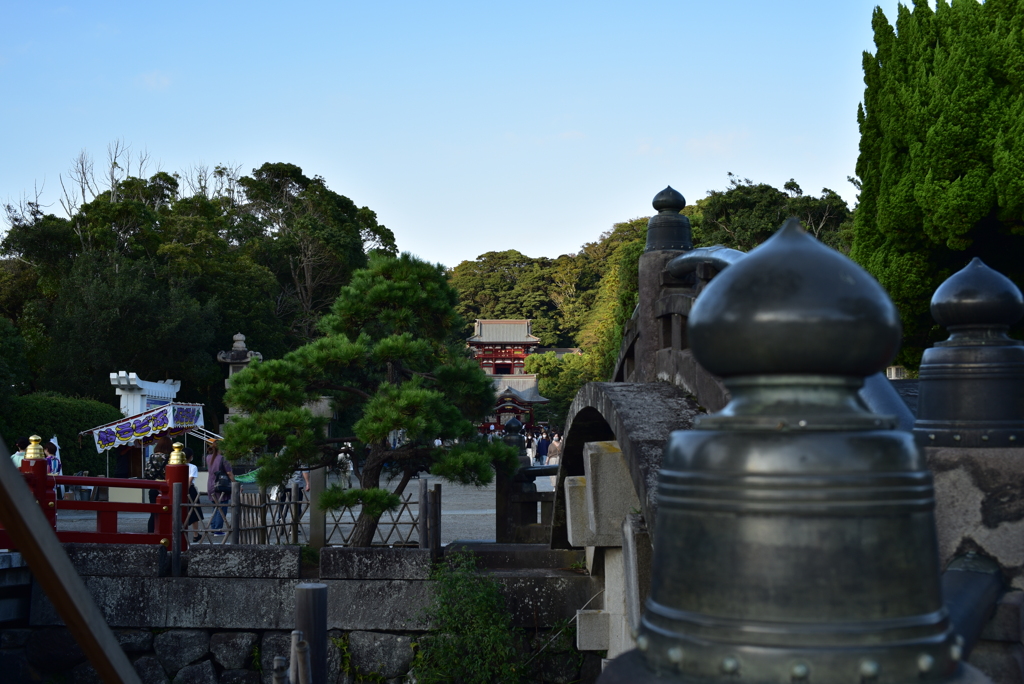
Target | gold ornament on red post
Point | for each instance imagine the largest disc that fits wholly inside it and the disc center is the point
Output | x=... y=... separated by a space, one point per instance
x=34 y=451
x=177 y=456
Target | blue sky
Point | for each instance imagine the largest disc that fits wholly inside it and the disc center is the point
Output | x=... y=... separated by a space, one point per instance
x=467 y=126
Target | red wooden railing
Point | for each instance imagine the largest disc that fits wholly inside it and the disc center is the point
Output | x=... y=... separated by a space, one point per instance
x=43 y=487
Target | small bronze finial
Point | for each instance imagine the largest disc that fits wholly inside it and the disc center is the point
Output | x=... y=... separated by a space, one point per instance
x=668 y=229
x=177 y=456
x=34 y=451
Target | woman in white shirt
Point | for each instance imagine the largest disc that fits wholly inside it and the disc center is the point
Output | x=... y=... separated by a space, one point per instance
x=195 y=511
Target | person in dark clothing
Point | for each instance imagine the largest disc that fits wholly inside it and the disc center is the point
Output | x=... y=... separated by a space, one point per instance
x=215 y=463
x=123 y=467
x=542 y=449
x=156 y=469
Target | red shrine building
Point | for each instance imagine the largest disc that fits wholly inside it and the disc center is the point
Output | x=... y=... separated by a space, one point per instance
x=501 y=348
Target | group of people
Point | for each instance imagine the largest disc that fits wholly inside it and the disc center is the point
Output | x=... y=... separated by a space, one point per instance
x=545 y=450
x=50 y=451
x=217 y=467
x=53 y=464
x=156 y=469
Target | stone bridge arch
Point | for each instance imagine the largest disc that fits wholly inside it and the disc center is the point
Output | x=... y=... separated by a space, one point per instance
x=640 y=417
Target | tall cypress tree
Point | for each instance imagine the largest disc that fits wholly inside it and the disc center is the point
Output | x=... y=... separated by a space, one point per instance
x=941 y=153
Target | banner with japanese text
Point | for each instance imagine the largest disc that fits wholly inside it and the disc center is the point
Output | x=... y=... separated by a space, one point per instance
x=173 y=419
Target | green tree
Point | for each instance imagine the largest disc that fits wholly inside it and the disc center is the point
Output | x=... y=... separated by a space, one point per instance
x=393 y=362
x=508 y=285
x=313 y=240
x=746 y=214
x=941 y=153
x=146 y=277
x=559 y=380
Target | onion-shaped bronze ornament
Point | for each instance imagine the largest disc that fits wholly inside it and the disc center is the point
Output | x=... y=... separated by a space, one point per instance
x=795 y=539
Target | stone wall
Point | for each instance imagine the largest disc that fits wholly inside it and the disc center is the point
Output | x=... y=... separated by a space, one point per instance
x=234 y=610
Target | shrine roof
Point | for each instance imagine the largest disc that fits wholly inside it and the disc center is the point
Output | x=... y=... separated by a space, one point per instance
x=506 y=331
x=524 y=387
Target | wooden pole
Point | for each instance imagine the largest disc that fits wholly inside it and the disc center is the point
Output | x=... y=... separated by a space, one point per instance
x=264 y=536
x=293 y=657
x=236 y=511
x=280 y=671
x=302 y=665
x=435 y=514
x=36 y=540
x=295 y=512
x=423 y=510
x=311 y=619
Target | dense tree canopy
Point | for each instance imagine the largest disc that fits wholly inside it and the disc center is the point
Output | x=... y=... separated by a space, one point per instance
x=396 y=369
x=942 y=152
x=746 y=214
x=142 y=275
x=587 y=298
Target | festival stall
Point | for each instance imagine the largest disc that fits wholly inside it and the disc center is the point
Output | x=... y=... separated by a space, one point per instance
x=174 y=419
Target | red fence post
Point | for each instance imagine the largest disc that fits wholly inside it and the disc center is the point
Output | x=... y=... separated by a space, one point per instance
x=33 y=466
x=176 y=471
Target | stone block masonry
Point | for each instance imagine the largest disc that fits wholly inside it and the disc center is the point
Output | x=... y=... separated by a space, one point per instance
x=225 y=628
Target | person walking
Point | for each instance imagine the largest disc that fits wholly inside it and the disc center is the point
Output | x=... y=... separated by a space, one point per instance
x=216 y=464
x=53 y=464
x=195 y=511
x=542 y=448
x=554 y=455
x=156 y=469
x=301 y=480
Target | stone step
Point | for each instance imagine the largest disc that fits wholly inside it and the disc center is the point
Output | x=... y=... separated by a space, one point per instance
x=493 y=556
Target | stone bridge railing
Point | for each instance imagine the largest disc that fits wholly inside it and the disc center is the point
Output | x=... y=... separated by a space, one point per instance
x=616 y=433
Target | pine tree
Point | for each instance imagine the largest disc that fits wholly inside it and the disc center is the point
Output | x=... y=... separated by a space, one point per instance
x=392 y=362
x=942 y=152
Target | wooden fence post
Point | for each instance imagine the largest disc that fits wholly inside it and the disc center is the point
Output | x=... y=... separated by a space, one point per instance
x=296 y=512
x=424 y=514
x=236 y=511
x=264 y=534
x=317 y=517
x=435 y=515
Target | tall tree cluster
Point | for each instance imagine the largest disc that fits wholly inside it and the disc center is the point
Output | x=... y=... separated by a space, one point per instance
x=154 y=273
x=942 y=152
x=585 y=299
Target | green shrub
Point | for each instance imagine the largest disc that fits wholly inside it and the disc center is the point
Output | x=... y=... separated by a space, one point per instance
x=47 y=414
x=472 y=640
